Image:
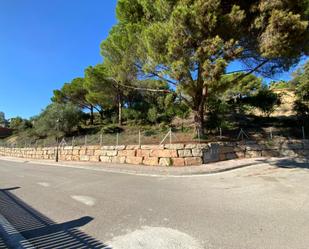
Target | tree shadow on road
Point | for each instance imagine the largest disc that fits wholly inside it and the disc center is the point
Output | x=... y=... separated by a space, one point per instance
x=288 y=163
x=25 y=227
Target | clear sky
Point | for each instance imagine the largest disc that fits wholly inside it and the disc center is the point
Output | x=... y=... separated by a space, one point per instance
x=45 y=43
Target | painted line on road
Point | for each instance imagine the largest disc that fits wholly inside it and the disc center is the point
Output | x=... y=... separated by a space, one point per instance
x=12 y=237
x=44 y=184
x=87 y=200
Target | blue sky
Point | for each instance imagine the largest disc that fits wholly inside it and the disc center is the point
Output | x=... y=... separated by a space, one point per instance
x=45 y=43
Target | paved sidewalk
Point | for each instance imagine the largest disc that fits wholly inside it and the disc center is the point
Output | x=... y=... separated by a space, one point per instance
x=210 y=168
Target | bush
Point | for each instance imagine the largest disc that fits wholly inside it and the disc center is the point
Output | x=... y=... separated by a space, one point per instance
x=111 y=129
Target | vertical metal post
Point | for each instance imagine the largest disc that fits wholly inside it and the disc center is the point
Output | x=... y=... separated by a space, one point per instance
x=117 y=139
x=271 y=133
x=198 y=135
x=139 y=138
x=220 y=131
x=57 y=149
x=303 y=130
x=170 y=136
x=101 y=139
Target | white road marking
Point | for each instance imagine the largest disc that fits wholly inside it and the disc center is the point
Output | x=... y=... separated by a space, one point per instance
x=87 y=200
x=155 y=237
x=44 y=184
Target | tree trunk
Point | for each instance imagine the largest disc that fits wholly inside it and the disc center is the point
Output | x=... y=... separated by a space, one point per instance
x=199 y=112
x=91 y=115
x=120 y=112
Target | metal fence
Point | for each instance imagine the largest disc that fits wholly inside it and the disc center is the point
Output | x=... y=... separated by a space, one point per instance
x=159 y=137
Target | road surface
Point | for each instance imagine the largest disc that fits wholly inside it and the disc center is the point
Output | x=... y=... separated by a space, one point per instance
x=261 y=206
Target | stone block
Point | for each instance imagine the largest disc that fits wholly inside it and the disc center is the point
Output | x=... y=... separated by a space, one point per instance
x=222 y=157
x=144 y=153
x=165 y=162
x=212 y=154
x=108 y=147
x=84 y=158
x=94 y=158
x=98 y=153
x=178 y=161
x=226 y=149
x=197 y=152
x=105 y=159
x=240 y=154
x=118 y=159
x=174 y=146
x=163 y=153
x=230 y=156
x=90 y=152
x=151 y=161
x=270 y=153
x=120 y=147
x=82 y=152
x=134 y=160
x=128 y=153
x=111 y=153
x=253 y=154
x=190 y=146
x=190 y=161
x=184 y=153
x=75 y=152
x=152 y=147
x=133 y=147
x=255 y=147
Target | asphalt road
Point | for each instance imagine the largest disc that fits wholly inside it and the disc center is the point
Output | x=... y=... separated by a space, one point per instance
x=261 y=206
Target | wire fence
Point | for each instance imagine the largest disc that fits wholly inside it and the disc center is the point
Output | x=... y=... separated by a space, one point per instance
x=171 y=136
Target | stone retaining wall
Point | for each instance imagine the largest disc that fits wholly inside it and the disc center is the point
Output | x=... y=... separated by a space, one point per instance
x=166 y=155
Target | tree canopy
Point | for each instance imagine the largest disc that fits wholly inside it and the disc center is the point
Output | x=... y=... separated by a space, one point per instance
x=190 y=43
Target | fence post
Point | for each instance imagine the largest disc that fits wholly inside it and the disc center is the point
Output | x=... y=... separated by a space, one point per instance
x=117 y=139
x=170 y=136
x=101 y=139
x=198 y=135
x=303 y=130
x=220 y=130
x=271 y=133
x=139 y=138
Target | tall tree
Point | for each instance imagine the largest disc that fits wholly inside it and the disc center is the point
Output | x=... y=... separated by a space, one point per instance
x=102 y=90
x=300 y=82
x=75 y=93
x=190 y=43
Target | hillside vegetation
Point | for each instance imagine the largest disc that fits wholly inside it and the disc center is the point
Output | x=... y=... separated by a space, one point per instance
x=194 y=67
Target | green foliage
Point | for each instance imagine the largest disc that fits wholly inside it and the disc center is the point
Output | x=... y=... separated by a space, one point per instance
x=280 y=85
x=301 y=83
x=101 y=90
x=265 y=100
x=191 y=43
x=57 y=120
x=19 y=124
x=2 y=118
x=111 y=129
x=152 y=114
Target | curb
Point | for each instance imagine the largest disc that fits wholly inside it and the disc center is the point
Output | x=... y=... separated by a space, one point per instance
x=135 y=170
